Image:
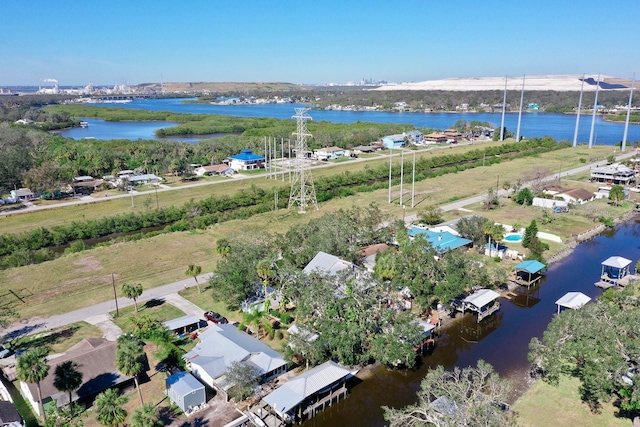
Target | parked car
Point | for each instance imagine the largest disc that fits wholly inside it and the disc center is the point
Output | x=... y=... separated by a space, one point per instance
x=214 y=317
x=5 y=352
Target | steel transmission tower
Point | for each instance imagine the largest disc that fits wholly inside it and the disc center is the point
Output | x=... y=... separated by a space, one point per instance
x=302 y=191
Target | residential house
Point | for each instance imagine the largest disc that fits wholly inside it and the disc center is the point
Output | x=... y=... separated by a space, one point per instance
x=370 y=253
x=394 y=141
x=329 y=153
x=245 y=160
x=435 y=138
x=362 y=149
x=146 y=178
x=577 y=196
x=615 y=173
x=22 y=194
x=185 y=391
x=222 y=170
x=452 y=134
x=327 y=264
x=86 y=184
x=415 y=137
x=96 y=360
x=222 y=345
x=9 y=415
x=441 y=241
x=549 y=203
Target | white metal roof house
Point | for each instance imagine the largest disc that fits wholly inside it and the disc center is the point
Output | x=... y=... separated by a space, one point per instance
x=329 y=153
x=615 y=173
x=222 y=345
x=22 y=194
x=222 y=169
x=328 y=264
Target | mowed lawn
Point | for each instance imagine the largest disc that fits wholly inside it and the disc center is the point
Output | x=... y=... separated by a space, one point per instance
x=545 y=405
x=85 y=278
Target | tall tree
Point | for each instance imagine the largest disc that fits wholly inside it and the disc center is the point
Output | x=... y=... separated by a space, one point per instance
x=243 y=378
x=193 y=271
x=472 y=396
x=133 y=292
x=616 y=194
x=108 y=406
x=146 y=416
x=530 y=233
x=495 y=231
x=32 y=368
x=256 y=320
x=68 y=378
x=130 y=358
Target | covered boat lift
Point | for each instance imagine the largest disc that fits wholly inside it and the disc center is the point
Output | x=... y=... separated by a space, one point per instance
x=527 y=273
x=615 y=272
x=483 y=301
x=572 y=300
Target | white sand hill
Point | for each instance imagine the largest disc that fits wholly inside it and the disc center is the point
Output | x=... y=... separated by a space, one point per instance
x=560 y=83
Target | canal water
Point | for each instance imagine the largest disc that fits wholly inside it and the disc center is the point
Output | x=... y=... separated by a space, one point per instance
x=501 y=340
x=558 y=126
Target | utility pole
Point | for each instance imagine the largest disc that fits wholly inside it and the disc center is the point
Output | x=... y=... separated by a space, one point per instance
x=401 y=174
x=115 y=296
x=413 y=180
x=593 y=117
x=390 y=154
x=575 y=133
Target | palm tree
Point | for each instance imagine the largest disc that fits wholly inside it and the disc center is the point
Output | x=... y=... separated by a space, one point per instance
x=491 y=229
x=133 y=292
x=129 y=358
x=32 y=368
x=146 y=416
x=108 y=406
x=223 y=247
x=68 y=378
x=616 y=194
x=194 y=270
x=265 y=272
x=257 y=320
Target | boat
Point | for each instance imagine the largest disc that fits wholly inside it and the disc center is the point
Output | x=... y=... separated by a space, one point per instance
x=84 y=125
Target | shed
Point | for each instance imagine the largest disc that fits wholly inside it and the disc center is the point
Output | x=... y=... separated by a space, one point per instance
x=185 y=390
x=184 y=323
x=573 y=300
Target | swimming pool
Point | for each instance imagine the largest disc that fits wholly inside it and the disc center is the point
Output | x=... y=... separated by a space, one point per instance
x=513 y=237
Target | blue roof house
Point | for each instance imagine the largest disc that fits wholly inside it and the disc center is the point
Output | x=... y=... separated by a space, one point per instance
x=441 y=241
x=246 y=160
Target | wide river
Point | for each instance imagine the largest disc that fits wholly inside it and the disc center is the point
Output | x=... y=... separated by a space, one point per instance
x=558 y=126
x=501 y=339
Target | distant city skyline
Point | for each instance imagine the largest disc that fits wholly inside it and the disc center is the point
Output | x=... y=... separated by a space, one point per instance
x=146 y=41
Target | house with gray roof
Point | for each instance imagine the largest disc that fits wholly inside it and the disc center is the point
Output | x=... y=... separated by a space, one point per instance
x=222 y=345
x=327 y=264
x=96 y=360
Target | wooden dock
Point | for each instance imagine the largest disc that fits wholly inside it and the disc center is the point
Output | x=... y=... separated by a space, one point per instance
x=333 y=397
x=607 y=282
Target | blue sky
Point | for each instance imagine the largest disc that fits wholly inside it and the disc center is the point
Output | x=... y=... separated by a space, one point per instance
x=138 y=41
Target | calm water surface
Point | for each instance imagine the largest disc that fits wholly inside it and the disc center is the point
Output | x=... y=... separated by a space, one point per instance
x=501 y=340
x=558 y=126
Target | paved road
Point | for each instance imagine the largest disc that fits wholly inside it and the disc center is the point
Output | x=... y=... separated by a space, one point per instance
x=99 y=314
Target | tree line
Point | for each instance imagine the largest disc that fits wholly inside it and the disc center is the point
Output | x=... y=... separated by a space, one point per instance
x=29 y=247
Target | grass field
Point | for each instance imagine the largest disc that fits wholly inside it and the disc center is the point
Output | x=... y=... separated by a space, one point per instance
x=84 y=278
x=546 y=405
x=60 y=339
